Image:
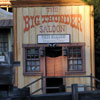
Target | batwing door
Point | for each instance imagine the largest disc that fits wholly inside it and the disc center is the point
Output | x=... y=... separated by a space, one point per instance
x=54 y=61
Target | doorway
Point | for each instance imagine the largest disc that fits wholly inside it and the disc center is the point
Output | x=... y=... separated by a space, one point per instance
x=54 y=70
x=54 y=61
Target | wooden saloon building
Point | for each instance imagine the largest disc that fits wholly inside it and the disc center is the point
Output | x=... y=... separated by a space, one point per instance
x=53 y=38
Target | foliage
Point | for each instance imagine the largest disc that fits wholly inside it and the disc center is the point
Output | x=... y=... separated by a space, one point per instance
x=96 y=4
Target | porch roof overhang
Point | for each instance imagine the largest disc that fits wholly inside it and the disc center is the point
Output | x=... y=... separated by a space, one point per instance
x=6 y=19
x=7 y=23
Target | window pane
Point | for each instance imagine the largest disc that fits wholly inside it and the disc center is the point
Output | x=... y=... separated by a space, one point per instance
x=32 y=56
x=37 y=63
x=79 y=67
x=28 y=56
x=33 y=68
x=70 y=67
x=33 y=62
x=37 y=68
x=37 y=51
x=79 y=61
x=28 y=63
x=75 y=62
x=28 y=51
x=70 y=61
x=28 y=68
x=32 y=51
x=75 y=67
x=36 y=56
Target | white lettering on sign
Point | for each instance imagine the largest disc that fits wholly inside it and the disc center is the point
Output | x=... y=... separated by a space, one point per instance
x=53 y=38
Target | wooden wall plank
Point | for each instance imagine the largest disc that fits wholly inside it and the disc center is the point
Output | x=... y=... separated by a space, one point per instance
x=19 y=45
x=15 y=43
x=26 y=35
x=92 y=41
x=32 y=31
x=92 y=44
x=68 y=28
x=75 y=32
x=81 y=34
x=87 y=39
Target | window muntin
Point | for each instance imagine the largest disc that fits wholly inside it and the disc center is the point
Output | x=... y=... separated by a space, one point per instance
x=75 y=60
x=32 y=60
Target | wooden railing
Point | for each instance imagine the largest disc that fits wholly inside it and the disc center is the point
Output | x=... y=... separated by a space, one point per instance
x=44 y=77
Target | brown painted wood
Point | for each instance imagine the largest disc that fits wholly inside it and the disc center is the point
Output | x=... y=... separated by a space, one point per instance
x=15 y=44
x=54 y=66
x=50 y=62
x=37 y=3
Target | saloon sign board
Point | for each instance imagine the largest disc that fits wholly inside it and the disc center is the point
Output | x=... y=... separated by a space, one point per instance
x=53 y=38
x=48 y=20
x=5 y=2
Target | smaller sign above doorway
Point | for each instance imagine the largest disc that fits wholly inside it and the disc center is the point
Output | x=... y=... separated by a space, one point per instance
x=53 y=38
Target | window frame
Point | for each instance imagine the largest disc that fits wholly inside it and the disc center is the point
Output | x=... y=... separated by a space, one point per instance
x=82 y=45
x=25 y=46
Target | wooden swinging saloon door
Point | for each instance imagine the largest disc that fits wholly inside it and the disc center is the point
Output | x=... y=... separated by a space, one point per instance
x=54 y=61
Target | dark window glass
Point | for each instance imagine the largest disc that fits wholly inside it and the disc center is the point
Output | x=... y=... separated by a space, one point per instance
x=32 y=60
x=75 y=59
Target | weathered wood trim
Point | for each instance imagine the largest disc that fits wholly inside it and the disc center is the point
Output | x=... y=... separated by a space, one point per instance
x=59 y=45
x=44 y=3
x=24 y=65
x=92 y=44
x=15 y=44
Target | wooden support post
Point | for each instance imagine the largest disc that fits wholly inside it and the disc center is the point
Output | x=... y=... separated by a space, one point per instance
x=91 y=82
x=74 y=92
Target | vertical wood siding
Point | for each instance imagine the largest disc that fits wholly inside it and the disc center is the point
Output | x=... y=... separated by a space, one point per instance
x=77 y=36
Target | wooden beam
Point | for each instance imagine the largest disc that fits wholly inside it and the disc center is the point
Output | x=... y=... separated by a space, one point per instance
x=34 y=3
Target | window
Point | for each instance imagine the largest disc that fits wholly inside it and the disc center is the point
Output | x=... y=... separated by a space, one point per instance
x=3 y=42
x=31 y=60
x=76 y=59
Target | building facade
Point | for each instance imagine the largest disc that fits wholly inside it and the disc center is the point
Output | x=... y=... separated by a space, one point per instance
x=53 y=39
